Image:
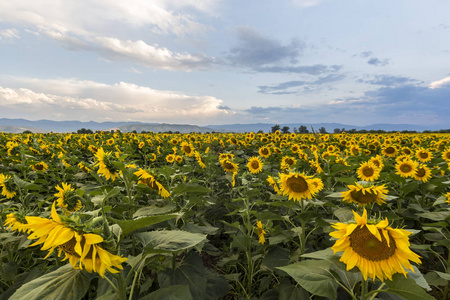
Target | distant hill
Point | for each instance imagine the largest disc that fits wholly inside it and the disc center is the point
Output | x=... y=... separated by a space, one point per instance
x=20 y=125
x=162 y=128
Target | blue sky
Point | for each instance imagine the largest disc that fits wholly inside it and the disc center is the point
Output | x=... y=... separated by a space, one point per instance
x=356 y=62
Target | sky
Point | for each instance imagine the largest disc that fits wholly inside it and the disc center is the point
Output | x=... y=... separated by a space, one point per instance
x=213 y=62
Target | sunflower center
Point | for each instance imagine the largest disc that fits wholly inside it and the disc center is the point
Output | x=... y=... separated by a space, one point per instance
x=390 y=150
x=289 y=161
x=420 y=172
x=187 y=149
x=423 y=155
x=69 y=247
x=366 y=245
x=228 y=166
x=361 y=197
x=264 y=151
x=254 y=164
x=368 y=171
x=405 y=168
x=39 y=167
x=297 y=184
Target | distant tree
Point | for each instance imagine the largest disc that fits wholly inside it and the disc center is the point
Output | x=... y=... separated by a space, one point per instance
x=295 y=130
x=323 y=130
x=285 y=129
x=275 y=128
x=84 y=131
x=303 y=129
x=27 y=132
x=337 y=130
x=260 y=131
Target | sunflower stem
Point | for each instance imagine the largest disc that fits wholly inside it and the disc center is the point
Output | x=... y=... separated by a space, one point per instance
x=302 y=234
x=445 y=293
x=364 y=284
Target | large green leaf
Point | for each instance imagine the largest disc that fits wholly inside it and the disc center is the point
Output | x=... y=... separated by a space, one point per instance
x=172 y=292
x=406 y=288
x=171 y=240
x=64 y=283
x=314 y=276
x=276 y=257
x=129 y=226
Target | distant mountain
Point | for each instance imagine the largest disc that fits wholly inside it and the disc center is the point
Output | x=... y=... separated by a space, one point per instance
x=21 y=125
x=162 y=128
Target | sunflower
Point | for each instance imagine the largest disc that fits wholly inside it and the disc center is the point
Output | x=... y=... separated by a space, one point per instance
x=80 y=248
x=423 y=155
x=198 y=157
x=365 y=194
x=16 y=222
x=378 y=250
x=406 y=168
x=179 y=159
x=447 y=198
x=446 y=154
x=261 y=232
x=187 y=149
x=8 y=186
x=150 y=181
x=368 y=171
x=67 y=198
x=273 y=183
x=296 y=185
x=389 y=151
x=287 y=162
x=423 y=173
x=229 y=166
x=316 y=185
x=83 y=167
x=254 y=165
x=141 y=145
x=170 y=158
x=377 y=161
x=105 y=165
x=41 y=166
x=264 y=152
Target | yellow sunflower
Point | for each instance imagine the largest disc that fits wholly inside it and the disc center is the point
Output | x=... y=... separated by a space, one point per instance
x=446 y=154
x=368 y=171
x=287 y=162
x=229 y=166
x=378 y=250
x=198 y=157
x=273 y=183
x=79 y=247
x=264 y=152
x=105 y=165
x=261 y=232
x=254 y=165
x=377 y=161
x=150 y=181
x=423 y=155
x=83 y=167
x=187 y=149
x=41 y=166
x=296 y=185
x=15 y=222
x=67 y=198
x=406 y=168
x=447 y=198
x=365 y=194
x=423 y=173
x=8 y=186
x=389 y=151
x=170 y=158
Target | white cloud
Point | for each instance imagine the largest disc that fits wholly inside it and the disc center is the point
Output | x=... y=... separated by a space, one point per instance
x=70 y=99
x=9 y=34
x=440 y=83
x=153 y=55
x=307 y=3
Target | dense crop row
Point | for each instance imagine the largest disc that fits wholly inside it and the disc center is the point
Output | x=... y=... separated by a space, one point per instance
x=224 y=216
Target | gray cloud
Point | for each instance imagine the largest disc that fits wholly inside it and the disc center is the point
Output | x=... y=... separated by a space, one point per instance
x=311 y=70
x=308 y=86
x=254 y=49
x=389 y=80
x=378 y=62
x=366 y=54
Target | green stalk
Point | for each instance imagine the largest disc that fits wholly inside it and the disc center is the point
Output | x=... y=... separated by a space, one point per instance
x=364 y=290
x=448 y=272
x=303 y=233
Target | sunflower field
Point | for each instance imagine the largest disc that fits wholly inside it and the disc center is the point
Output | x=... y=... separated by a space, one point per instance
x=154 y=216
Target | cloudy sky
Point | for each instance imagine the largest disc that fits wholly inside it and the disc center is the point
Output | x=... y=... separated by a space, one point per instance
x=356 y=62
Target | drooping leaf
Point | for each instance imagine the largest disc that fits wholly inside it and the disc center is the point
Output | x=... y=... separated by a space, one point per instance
x=171 y=240
x=406 y=287
x=64 y=283
x=129 y=226
x=172 y=292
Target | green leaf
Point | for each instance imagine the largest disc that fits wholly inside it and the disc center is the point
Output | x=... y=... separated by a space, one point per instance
x=443 y=275
x=154 y=210
x=419 y=279
x=321 y=254
x=406 y=288
x=172 y=292
x=344 y=214
x=64 y=283
x=171 y=240
x=129 y=226
x=435 y=216
x=276 y=257
x=314 y=276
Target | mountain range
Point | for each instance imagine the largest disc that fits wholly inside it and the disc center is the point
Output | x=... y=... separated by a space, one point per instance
x=21 y=125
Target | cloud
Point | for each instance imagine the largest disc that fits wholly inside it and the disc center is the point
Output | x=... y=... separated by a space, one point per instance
x=309 y=86
x=440 y=83
x=389 y=80
x=87 y=100
x=255 y=50
x=9 y=34
x=378 y=62
x=310 y=70
x=306 y=3
x=366 y=54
